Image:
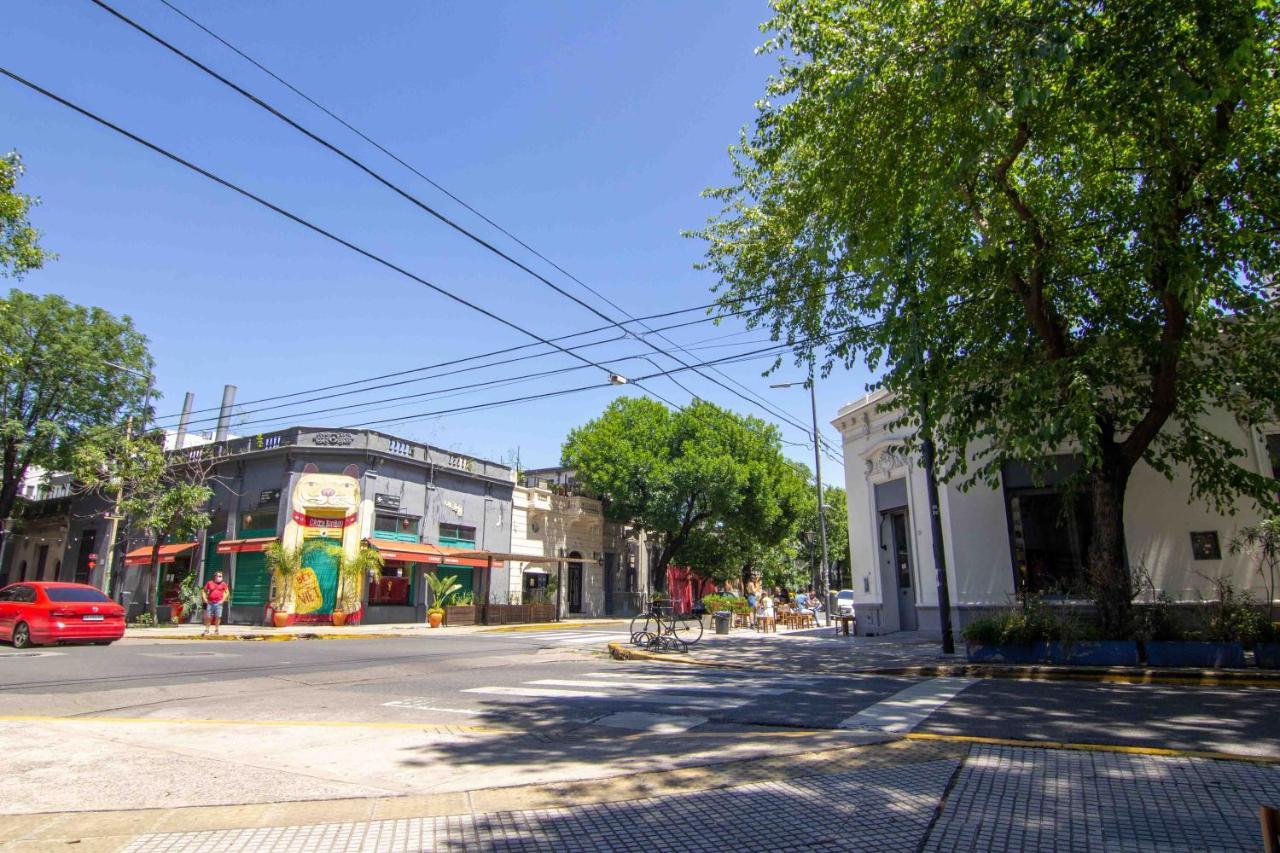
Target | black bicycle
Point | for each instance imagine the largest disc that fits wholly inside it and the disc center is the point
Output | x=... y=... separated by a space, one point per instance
x=660 y=628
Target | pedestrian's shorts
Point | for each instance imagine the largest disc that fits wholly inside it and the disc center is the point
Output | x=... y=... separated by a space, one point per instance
x=213 y=609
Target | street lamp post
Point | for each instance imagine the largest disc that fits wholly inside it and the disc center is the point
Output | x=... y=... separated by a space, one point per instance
x=823 y=579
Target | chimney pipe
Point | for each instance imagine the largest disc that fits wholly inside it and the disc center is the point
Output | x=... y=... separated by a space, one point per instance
x=187 y=402
x=224 y=413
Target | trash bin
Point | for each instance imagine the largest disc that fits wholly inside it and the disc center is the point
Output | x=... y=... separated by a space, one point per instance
x=723 y=621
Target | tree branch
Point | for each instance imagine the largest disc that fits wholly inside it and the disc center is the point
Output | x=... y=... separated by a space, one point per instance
x=1030 y=289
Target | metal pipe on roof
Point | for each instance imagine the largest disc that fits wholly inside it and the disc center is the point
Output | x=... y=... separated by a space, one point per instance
x=224 y=412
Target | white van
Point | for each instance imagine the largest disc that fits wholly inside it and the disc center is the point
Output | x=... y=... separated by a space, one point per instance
x=844 y=602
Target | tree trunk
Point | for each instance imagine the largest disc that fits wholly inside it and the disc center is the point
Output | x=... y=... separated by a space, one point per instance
x=1109 y=576
x=153 y=579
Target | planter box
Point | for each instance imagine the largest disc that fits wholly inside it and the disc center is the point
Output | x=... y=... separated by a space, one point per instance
x=1267 y=655
x=1198 y=654
x=1095 y=653
x=1030 y=653
x=462 y=614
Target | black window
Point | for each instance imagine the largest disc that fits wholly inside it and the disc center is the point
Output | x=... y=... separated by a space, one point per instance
x=388 y=523
x=24 y=595
x=8 y=593
x=1273 y=450
x=65 y=594
x=457 y=531
x=1049 y=528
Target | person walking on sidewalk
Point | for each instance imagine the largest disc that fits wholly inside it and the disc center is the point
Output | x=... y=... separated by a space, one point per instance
x=215 y=597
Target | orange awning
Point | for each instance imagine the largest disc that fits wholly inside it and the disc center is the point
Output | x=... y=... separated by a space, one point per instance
x=240 y=546
x=168 y=553
x=470 y=557
x=408 y=552
x=425 y=552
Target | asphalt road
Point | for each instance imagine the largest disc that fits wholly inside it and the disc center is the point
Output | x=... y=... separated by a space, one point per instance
x=550 y=678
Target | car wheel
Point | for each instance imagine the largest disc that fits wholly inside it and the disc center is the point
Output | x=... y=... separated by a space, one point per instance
x=21 y=636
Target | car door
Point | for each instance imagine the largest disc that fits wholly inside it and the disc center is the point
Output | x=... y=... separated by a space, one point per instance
x=23 y=606
x=8 y=609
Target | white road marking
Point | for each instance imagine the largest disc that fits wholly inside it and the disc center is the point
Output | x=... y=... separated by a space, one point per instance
x=425 y=705
x=539 y=692
x=908 y=708
x=29 y=653
x=675 y=687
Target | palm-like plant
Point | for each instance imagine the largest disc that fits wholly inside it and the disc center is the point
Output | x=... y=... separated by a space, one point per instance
x=351 y=573
x=284 y=565
x=443 y=589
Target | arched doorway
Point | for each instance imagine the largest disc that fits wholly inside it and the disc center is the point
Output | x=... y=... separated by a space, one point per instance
x=575 y=583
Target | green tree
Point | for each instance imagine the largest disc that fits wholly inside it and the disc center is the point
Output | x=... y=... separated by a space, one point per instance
x=711 y=486
x=58 y=383
x=167 y=497
x=20 y=250
x=1052 y=226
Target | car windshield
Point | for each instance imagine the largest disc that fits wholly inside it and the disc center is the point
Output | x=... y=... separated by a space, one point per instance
x=74 y=593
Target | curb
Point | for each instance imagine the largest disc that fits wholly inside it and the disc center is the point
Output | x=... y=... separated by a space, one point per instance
x=276 y=638
x=551 y=626
x=1159 y=751
x=1117 y=675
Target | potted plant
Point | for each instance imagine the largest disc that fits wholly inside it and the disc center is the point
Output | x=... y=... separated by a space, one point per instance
x=351 y=574
x=190 y=597
x=460 y=610
x=1233 y=621
x=1017 y=636
x=442 y=588
x=284 y=565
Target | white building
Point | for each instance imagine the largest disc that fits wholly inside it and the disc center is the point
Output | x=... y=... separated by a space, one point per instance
x=547 y=524
x=993 y=537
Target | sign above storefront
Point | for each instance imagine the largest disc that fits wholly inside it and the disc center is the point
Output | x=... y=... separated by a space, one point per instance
x=383 y=501
x=269 y=496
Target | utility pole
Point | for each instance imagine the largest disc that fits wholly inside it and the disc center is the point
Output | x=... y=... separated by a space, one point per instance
x=927 y=452
x=824 y=577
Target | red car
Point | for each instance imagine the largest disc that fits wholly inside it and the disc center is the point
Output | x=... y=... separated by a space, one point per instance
x=35 y=613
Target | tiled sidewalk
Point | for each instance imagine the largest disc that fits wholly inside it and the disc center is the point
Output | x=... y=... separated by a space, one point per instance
x=1002 y=799
x=874 y=809
x=1009 y=798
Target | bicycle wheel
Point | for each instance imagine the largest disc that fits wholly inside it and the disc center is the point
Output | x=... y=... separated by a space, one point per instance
x=641 y=629
x=687 y=629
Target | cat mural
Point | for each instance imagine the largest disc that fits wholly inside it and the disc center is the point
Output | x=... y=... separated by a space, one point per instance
x=325 y=511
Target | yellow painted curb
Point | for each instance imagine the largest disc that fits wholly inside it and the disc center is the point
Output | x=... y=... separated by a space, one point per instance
x=620 y=652
x=1094 y=747
x=160 y=721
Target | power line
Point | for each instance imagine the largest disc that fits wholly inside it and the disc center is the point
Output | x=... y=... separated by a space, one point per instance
x=439 y=392
x=729 y=359
x=301 y=221
x=751 y=398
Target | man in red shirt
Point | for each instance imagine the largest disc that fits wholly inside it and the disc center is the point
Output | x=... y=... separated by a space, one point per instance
x=215 y=597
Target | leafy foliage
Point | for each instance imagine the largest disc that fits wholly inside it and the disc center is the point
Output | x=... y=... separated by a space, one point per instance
x=20 y=250
x=284 y=565
x=443 y=589
x=352 y=572
x=711 y=485
x=57 y=391
x=1262 y=540
x=1049 y=224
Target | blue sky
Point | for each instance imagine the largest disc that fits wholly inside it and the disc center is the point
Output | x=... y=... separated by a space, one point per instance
x=586 y=129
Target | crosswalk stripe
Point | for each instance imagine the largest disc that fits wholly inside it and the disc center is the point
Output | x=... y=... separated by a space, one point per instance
x=539 y=692
x=908 y=708
x=649 y=685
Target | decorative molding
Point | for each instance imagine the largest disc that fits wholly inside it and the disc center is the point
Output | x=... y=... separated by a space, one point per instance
x=886 y=461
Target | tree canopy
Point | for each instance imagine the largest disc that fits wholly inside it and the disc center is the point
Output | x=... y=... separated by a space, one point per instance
x=1052 y=225
x=20 y=249
x=711 y=486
